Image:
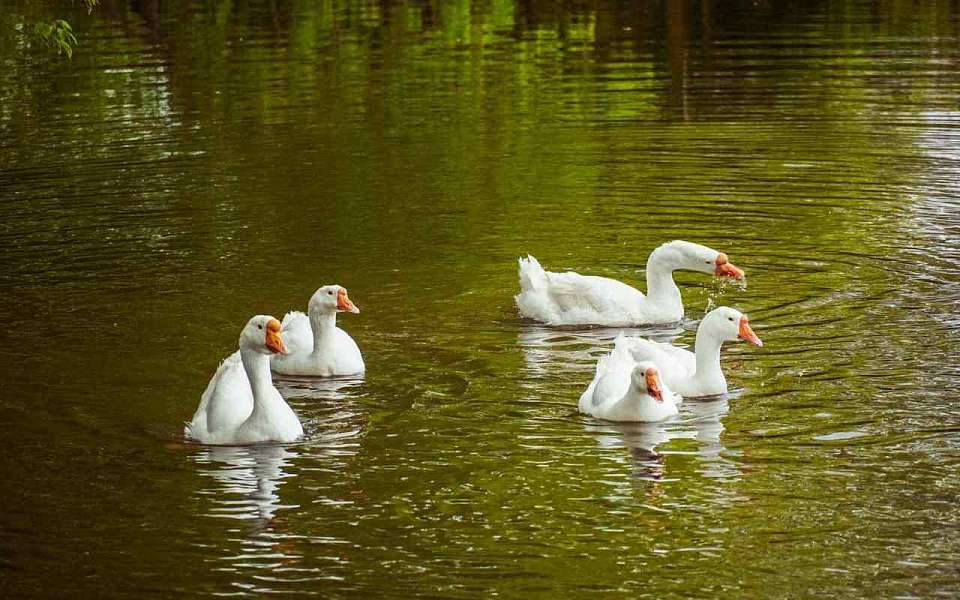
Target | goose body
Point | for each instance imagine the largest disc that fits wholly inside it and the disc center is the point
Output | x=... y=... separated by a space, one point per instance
x=625 y=390
x=697 y=373
x=318 y=348
x=240 y=404
x=574 y=299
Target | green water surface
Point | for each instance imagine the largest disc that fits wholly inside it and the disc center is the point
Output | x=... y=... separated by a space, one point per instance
x=197 y=163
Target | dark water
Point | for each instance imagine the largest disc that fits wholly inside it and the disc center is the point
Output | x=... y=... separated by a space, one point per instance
x=198 y=163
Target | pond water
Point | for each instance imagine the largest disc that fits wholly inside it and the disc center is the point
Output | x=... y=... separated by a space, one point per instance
x=196 y=163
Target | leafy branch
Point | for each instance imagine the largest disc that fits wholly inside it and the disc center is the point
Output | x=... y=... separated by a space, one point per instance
x=58 y=34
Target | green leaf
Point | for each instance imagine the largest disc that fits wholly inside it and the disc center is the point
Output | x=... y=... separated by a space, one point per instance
x=57 y=34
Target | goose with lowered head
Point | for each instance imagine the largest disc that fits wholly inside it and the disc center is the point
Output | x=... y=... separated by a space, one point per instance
x=698 y=373
x=626 y=390
x=318 y=348
x=240 y=404
x=574 y=299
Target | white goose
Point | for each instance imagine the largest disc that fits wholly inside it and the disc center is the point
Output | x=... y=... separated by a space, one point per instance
x=698 y=373
x=318 y=348
x=625 y=390
x=240 y=404
x=574 y=299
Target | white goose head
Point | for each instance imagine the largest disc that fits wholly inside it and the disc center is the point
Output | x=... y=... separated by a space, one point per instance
x=262 y=333
x=646 y=378
x=729 y=324
x=331 y=299
x=680 y=254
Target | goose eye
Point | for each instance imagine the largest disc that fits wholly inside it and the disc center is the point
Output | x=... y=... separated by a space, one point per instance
x=259 y=326
x=729 y=318
x=329 y=292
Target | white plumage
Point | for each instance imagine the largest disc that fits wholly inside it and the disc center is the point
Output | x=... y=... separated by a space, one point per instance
x=240 y=404
x=318 y=348
x=296 y=333
x=625 y=390
x=697 y=373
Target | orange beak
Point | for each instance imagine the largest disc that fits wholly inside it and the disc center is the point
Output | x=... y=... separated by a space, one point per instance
x=344 y=303
x=746 y=333
x=653 y=384
x=274 y=341
x=725 y=268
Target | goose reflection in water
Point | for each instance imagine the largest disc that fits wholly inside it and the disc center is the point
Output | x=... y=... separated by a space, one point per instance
x=698 y=420
x=249 y=478
x=317 y=388
x=332 y=417
x=548 y=351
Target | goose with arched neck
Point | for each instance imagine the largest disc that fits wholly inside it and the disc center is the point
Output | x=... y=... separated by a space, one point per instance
x=573 y=299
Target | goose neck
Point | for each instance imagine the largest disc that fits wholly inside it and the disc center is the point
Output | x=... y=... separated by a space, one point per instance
x=661 y=289
x=323 y=324
x=707 y=352
x=257 y=367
